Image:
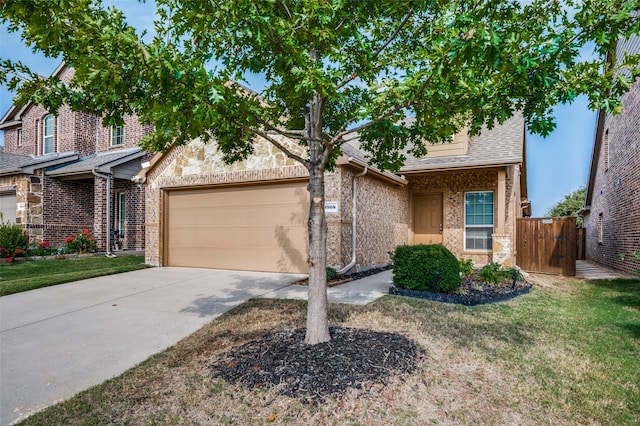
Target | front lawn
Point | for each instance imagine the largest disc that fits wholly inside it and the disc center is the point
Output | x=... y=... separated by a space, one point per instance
x=22 y=276
x=567 y=353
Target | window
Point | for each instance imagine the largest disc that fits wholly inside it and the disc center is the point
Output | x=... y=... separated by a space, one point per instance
x=600 y=229
x=121 y=199
x=117 y=135
x=19 y=137
x=478 y=220
x=47 y=134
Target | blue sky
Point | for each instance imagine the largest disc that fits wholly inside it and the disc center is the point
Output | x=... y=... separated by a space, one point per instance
x=556 y=165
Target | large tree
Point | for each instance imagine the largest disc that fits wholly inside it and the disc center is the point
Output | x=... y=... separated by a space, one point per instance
x=332 y=68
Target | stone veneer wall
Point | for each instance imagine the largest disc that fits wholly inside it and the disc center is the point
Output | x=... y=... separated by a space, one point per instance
x=197 y=164
x=453 y=185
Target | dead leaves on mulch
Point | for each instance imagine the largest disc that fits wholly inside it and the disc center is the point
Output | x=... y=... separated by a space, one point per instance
x=352 y=358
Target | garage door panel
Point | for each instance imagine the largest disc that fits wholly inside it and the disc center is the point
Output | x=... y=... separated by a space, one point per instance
x=8 y=207
x=260 y=228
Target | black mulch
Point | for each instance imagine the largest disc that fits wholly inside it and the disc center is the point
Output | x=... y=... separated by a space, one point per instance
x=348 y=277
x=352 y=358
x=471 y=292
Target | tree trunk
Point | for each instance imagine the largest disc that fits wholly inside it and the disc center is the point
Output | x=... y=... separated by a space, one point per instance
x=317 y=318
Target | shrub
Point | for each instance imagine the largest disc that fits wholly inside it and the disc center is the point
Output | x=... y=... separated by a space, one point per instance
x=490 y=273
x=83 y=243
x=493 y=273
x=466 y=267
x=423 y=267
x=332 y=274
x=43 y=249
x=13 y=241
x=634 y=258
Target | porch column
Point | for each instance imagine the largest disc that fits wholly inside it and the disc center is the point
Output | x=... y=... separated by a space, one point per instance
x=502 y=201
x=502 y=244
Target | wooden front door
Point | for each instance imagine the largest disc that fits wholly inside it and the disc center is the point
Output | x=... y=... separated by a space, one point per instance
x=427 y=218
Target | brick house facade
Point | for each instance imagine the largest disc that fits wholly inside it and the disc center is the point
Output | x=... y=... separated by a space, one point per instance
x=612 y=206
x=55 y=171
x=480 y=184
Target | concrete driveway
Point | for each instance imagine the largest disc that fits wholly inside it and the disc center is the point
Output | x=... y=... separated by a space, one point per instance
x=58 y=341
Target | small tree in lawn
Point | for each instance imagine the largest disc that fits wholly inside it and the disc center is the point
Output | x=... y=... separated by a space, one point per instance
x=331 y=67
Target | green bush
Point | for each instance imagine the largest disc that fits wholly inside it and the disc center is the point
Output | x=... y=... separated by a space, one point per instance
x=332 y=274
x=490 y=273
x=423 y=267
x=493 y=273
x=466 y=267
x=13 y=240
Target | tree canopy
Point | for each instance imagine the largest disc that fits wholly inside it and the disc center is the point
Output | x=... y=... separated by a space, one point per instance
x=332 y=68
x=570 y=205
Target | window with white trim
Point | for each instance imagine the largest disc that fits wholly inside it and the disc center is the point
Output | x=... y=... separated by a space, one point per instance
x=48 y=128
x=121 y=198
x=117 y=135
x=478 y=220
x=20 y=137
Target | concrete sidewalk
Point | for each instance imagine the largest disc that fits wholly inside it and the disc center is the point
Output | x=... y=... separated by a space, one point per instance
x=60 y=340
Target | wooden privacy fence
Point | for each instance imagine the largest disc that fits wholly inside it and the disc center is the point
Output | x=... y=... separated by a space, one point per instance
x=547 y=245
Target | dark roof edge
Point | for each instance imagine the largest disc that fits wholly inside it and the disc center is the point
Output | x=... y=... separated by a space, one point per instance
x=595 y=157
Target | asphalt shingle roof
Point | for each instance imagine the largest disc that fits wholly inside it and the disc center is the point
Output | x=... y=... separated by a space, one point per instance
x=15 y=163
x=503 y=144
x=92 y=162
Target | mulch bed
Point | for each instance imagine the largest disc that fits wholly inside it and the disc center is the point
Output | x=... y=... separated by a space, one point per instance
x=348 y=277
x=471 y=292
x=353 y=358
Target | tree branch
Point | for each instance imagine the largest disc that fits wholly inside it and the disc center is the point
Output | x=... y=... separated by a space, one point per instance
x=342 y=131
x=393 y=36
x=379 y=51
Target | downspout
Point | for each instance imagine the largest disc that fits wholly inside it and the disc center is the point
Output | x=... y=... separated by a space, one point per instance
x=354 y=212
x=108 y=228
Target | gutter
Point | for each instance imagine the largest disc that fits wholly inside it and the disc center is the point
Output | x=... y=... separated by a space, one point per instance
x=354 y=212
x=108 y=207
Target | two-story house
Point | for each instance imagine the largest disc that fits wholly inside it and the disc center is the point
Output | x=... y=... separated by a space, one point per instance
x=63 y=173
x=612 y=205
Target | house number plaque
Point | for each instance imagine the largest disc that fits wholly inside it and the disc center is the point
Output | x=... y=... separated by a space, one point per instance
x=331 y=207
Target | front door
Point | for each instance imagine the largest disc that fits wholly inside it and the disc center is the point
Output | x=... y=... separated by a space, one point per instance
x=427 y=218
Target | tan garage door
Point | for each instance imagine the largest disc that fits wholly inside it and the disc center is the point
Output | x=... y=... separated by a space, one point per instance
x=255 y=228
x=8 y=206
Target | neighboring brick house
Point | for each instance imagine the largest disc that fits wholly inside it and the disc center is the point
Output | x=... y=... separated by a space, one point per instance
x=612 y=205
x=253 y=214
x=60 y=174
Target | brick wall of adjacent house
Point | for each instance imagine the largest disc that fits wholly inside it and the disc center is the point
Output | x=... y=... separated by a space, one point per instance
x=134 y=216
x=133 y=132
x=68 y=208
x=453 y=185
x=616 y=191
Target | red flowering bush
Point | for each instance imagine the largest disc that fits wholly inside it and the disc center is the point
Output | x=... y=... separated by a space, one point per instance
x=42 y=249
x=13 y=241
x=83 y=243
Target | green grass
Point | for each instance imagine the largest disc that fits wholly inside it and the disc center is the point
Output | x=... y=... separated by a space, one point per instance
x=23 y=276
x=567 y=353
